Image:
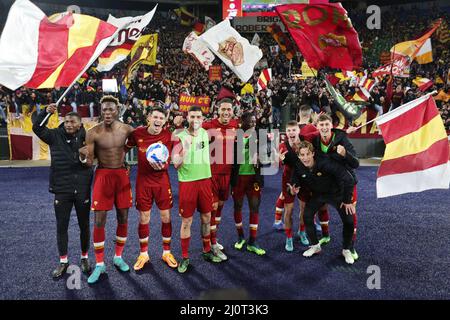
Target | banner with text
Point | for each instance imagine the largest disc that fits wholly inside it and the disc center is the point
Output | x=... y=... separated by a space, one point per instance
x=185 y=102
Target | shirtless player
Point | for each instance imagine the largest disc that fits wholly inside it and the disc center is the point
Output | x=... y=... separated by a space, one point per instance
x=112 y=186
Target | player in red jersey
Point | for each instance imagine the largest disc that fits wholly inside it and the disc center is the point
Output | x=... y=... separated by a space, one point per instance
x=153 y=185
x=222 y=133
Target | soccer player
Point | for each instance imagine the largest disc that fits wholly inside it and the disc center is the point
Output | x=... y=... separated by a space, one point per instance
x=335 y=143
x=191 y=159
x=329 y=182
x=70 y=181
x=291 y=144
x=153 y=185
x=223 y=131
x=247 y=181
x=111 y=183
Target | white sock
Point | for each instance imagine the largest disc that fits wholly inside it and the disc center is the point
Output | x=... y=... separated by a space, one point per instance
x=64 y=260
x=166 y=251
x=84 y=256
x=117 y=256
x=100 y=264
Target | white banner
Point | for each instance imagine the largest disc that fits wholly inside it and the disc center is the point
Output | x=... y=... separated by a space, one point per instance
x=234 y=50
x=198 y=49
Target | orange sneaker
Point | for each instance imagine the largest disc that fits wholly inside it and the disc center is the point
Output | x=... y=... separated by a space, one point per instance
x=170 y=260
x=141 y=261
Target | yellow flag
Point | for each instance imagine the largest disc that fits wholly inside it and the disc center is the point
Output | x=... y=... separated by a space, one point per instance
x=307 y=71
x=144 y=49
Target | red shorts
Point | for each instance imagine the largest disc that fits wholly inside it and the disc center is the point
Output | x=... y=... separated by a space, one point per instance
x=246 y=185
x=288 y=198
x=220 y=187
x=195 y=195
x=111 y=187
x=145 y=194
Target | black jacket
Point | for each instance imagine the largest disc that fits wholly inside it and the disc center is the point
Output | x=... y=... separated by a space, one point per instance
x=350 y=161
x=67 y=173
x=326 y=178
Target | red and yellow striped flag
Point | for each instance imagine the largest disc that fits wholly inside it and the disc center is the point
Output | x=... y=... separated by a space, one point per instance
x=417 y=150
x=40 y=52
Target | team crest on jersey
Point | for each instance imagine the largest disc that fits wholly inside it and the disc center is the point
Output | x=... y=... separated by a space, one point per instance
x=256 y=186
x=319 y=174
x=143 y=150
x=141 y=140
x=95 y=203
x=304 y=176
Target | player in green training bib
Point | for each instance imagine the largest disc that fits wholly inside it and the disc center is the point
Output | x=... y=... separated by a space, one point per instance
x=246 y=180
x=195 y=191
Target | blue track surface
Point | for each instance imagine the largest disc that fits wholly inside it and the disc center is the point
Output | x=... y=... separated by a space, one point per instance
x=406 y=236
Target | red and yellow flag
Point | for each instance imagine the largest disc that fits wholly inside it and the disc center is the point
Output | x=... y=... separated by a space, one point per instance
x=39 y=52
x=417 y=150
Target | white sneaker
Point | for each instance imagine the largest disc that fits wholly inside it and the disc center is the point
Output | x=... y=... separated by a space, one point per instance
x=348 y=256
x=219 y=245
x=312 y=250
x=218 y=253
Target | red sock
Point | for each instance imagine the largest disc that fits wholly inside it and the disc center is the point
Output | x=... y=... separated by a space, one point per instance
x=254 y=217
x=288 y=232
x=302 y=227
x=324 y=218
x=213 y=227
x=166 y=231
x=355 y=222
x=121 y=238
x=238 y=223
x=279 y=209
x=206 y=243
x=144 y=233
x=185 y=247
x=99 y=243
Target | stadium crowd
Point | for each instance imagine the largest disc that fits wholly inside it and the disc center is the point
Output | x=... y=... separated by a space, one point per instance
x=284 y=95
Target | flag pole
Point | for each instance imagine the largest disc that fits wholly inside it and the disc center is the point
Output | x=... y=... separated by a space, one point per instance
x=374 y=119
x=58 y=102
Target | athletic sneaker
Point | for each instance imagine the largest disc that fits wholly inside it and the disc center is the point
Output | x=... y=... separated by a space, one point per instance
x=218 y=253
x=279 y=226
x=303 y=238
x=256 y=249
x=314 y=249
x=170 y=260
x=239 y=244
x=60 y=270
x=354 y=254
x=95 y=275
x=183 y=266
x=121 y=264
x=141 y=261
x=219 y=245
x=348 y=256
x=324 y=240
x=289 y=245
x=210 y=257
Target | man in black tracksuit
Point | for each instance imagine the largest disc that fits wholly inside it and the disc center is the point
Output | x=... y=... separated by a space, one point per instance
x=70 y=181
x=329 y=183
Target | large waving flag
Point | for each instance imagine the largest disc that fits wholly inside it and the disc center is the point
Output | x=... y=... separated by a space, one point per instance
x=130 y=29
x=403 y=54
x=417 y=150
x=198 y=49
x=324 y=34
x=39 y=53
x=234 y=50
